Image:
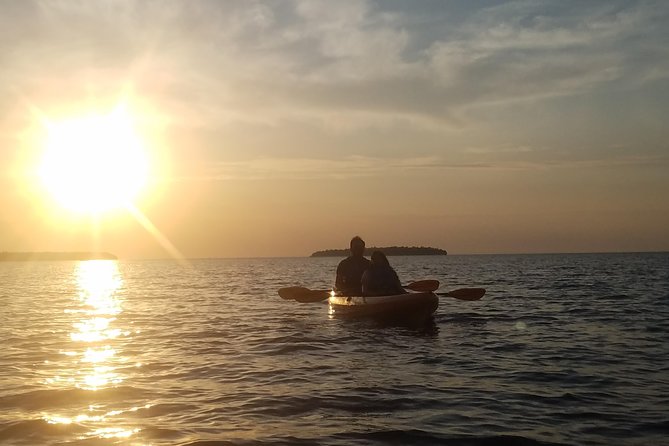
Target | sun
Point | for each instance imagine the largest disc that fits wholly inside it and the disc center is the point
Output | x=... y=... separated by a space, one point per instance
x=94 y=164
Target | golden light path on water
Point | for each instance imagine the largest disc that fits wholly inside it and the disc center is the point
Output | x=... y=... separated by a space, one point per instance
x=94 y=363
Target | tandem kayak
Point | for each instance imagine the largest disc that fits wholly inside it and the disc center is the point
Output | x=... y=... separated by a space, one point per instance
x=408 y=307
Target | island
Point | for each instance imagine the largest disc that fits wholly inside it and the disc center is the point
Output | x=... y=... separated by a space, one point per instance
x=387 y=250
x=54 y=256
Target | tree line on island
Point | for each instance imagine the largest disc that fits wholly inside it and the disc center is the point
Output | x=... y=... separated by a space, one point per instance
x=387 y=250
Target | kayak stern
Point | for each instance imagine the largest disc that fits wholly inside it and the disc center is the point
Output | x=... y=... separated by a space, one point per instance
x=402 y=308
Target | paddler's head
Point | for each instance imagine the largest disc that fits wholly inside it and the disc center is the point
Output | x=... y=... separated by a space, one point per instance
x=357 y=247
x=379 y=259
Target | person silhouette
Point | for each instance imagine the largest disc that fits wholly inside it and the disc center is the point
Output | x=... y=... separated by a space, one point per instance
x=348 y=281
x=380 y=279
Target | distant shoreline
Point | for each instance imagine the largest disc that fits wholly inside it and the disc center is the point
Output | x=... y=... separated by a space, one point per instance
x=387 y=250
x=54 y=256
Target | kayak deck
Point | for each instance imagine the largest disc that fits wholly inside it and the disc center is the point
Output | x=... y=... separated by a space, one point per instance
x=408 y=307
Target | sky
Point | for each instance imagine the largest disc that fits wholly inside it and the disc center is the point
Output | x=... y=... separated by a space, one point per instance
x=284 y=127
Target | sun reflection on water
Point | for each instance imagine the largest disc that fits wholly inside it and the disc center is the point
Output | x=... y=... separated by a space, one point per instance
x=94 y=355
x=98 y=282
x=101 y=432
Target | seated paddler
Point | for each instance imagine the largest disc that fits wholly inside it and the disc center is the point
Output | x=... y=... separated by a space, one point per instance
x=380 y=279
x=349 y=271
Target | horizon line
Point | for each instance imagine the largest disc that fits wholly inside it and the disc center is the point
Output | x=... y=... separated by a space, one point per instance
x=427 y=255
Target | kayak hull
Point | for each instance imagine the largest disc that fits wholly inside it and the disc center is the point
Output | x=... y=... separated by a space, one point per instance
x=402 y=308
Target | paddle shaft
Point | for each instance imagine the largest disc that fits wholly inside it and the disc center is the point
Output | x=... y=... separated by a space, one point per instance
x=306 y=295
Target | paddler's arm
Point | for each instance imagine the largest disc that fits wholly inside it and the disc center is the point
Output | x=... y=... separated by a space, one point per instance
x=365 y=282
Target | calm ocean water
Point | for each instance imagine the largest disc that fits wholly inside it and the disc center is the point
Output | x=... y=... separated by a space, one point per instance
x=563 y=349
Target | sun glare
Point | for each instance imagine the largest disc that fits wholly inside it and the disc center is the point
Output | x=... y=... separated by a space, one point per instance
x=94 y=164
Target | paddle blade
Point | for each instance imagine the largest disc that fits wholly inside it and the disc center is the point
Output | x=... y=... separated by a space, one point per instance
x=423 y=286
x=290 y=292
x=313 y=296
x=465 y=293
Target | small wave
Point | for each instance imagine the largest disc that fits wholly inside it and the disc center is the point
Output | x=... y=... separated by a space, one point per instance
x=407 y=437
x=288 y=349
x=419 y=437
x=45 y=399
x=505 y=348
x=656 y=427
x=33 y=431
x=464 y=318
x=267 y=442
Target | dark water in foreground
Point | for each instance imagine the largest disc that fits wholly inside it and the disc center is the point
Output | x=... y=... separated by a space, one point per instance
x=564 y=349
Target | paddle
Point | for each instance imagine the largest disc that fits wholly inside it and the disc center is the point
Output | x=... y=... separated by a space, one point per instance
x=465 y=293
x=305 y=295
x=423 y=286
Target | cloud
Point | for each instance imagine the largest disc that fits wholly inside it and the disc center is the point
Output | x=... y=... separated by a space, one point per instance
x=354 y=62
x=513 y=52
x=356 y=167
x=313 y=169
x=355 y=59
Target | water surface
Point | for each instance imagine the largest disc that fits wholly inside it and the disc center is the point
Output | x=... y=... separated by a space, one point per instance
x=563 y=349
